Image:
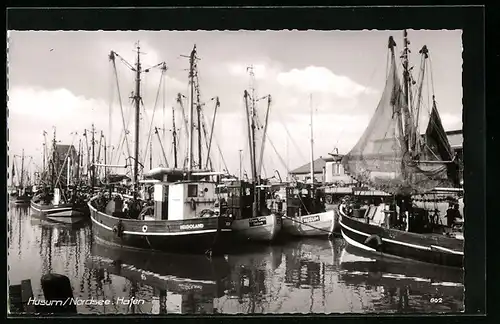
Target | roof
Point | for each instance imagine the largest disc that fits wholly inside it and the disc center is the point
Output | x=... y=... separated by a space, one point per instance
x=319 y=164
x=62 y=150
x=334 y=157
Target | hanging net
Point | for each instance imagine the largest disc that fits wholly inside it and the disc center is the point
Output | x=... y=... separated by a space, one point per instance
x=382 y=158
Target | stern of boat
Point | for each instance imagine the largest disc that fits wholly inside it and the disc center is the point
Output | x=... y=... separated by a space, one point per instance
x=259 y=229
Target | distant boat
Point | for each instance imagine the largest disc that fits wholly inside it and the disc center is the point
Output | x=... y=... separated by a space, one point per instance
x=60 y=202
x=393 y=157
x=23 y=192
x=305 y=213
x=182 y=216
x=247 y=201
x=52 y=209
x=252 y=221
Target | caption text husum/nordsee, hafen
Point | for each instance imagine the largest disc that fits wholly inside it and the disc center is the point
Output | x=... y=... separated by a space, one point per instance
x=71 y=301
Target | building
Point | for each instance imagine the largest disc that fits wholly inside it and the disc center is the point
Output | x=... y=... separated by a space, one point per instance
x=334 y=172
x=303 y=173
x=326 y=170
x=62 y=154
x=456 y=139
x=329 y=170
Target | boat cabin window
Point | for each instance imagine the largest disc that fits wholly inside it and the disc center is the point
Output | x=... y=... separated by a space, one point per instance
x=234 y=192
x=192 y=190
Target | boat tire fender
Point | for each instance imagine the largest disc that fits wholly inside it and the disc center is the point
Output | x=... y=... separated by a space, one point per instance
x=144 y=228
x=118 y=229
x=329 y=199
x=374 y=241
x=193 y=204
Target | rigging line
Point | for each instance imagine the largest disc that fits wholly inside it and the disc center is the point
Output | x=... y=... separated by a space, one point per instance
x=279 y=156
x=432 y=77
x=290 y=136
x=220 y=152
x=67 y=154
x=110 y=121
x=387 y=65
x=120 y=101
x=428 y=97
x=126 y=132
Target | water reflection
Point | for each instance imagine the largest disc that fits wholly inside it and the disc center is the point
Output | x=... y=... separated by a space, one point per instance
x=168 y=283
x=303 y=276
x=403 y=286
x=42 y=247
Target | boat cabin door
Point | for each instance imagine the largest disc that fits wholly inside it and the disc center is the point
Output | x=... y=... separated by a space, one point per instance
x=57 y=196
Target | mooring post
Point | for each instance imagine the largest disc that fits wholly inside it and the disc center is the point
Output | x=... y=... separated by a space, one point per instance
x=57 y=291
x=26 y=295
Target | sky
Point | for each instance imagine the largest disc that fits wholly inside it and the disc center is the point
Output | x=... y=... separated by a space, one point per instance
x=65 y=81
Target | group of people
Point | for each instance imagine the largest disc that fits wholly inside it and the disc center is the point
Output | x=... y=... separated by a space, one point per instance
x=399 y=215
x=128 y=207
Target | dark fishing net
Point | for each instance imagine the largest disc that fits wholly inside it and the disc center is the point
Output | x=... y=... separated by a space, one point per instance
x=381 y=158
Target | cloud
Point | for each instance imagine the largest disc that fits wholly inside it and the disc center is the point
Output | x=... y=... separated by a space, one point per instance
x=50 y=105
x=321 y=79
x=451 y=121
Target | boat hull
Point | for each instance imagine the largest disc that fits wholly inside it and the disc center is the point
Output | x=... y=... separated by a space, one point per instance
x=67 y=213
x=20 y=200
x=428 y=248
x=257 y=229
x=197 y=235
x=320 y=224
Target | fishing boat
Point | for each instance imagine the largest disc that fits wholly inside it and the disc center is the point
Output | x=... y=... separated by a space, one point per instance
x=50 y=207
x=246 y=201
x=246 y=205
x=305 y=213
x=394 y=157
x=23 y=192
x=181 y=217
x=60 y=201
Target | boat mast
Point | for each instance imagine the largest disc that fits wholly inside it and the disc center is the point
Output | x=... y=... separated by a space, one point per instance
x=137 y=98
x=68 y=171
x=78 y=171
x=150 y=155
x=406 y=89
x=191 y=110
x=250 y=125
x=22 y=170
x=251 y=130
x=198 y=115
x=312 y=141
x=217 y=104
x=174 y=137
x=93 y=160
x=241 y=171
x=43 y=162
x=53 y=175
x=105 y=158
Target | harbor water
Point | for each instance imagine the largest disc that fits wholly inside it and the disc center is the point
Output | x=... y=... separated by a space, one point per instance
x=299 y=276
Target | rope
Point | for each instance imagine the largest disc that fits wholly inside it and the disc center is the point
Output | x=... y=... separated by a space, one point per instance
x=120 y=101
x=153 y=116
x=110 y=122
x=432 y=77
